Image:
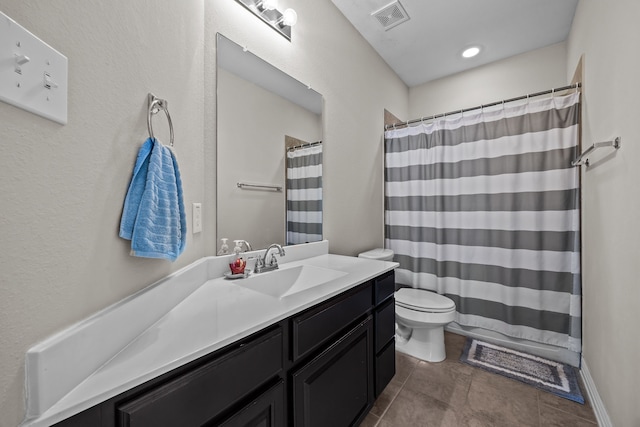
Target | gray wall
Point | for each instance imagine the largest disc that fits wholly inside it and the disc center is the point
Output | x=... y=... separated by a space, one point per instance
x=63 y=187
x=606 y=33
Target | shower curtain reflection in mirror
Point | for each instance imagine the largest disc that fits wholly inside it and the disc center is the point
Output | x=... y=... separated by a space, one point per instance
x=304 y=194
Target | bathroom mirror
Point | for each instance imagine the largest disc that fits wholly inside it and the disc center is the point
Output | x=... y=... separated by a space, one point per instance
x=259 y=110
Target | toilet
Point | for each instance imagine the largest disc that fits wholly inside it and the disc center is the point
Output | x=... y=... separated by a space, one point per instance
x=421 y=316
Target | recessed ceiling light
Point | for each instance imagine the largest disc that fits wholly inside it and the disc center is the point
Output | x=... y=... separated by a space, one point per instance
x=471 y=52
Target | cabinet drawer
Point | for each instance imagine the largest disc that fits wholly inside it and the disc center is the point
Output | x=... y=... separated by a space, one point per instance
x=196 y=397
x=314 y=327
x=385 y=286
x=385 y=323
x=385 y=366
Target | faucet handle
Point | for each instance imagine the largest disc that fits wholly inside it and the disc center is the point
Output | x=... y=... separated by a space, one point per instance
x=273 y=261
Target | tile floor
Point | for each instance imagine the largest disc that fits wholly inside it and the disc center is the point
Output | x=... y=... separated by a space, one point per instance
x=454 y=394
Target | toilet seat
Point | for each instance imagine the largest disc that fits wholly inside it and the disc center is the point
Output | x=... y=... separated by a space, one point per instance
x=423 y=301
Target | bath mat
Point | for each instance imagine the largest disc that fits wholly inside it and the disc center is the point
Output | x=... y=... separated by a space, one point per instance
x=554 y=377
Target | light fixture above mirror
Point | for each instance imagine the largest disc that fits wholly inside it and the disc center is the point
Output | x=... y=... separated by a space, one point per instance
x=267 y=11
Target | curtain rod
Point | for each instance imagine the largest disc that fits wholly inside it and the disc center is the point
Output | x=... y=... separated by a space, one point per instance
x=311 y=144
x=531 y=95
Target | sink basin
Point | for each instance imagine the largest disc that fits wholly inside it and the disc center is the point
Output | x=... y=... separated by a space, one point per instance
x=288 y=281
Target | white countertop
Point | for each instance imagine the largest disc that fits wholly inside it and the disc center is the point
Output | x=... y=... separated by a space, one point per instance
x=215 y=314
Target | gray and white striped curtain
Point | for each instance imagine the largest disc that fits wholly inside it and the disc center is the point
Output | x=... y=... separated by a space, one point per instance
x=304 y=195
x=484 y=208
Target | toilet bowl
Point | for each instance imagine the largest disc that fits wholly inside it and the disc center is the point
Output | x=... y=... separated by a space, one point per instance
x=420 y=317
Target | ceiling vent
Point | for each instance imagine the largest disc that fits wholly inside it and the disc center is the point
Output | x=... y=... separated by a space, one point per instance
x=391 y=15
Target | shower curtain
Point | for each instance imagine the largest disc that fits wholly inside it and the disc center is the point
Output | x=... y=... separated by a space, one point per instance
x=304 y=195
x=484 y=207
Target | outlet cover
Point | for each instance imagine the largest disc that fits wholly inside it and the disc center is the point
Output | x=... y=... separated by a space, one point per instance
x=197 y=218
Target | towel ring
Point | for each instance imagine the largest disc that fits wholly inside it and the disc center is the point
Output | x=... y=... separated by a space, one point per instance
x=155 y=105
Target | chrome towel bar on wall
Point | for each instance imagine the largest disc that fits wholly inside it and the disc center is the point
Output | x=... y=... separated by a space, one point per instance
x=579 y=161
x=259 y=186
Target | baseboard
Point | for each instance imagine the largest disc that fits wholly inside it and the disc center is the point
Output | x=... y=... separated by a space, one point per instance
x=596 y=402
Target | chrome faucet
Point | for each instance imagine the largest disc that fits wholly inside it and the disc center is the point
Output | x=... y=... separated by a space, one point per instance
x=247 y=244
x=269 y=261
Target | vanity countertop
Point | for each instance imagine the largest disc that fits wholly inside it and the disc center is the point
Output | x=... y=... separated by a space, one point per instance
x=217 y=313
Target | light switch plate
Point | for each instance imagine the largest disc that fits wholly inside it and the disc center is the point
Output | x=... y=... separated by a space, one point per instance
x=33 y=75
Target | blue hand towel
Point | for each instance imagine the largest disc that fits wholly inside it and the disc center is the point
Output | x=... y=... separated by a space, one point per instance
x=153 y=217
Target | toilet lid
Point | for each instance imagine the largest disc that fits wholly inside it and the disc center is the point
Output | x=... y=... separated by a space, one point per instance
x=423 y=300
x=379 y=253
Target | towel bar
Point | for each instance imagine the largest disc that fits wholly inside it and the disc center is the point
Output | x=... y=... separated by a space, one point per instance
x=259 y=186
x=155 y=105
x=615 y=144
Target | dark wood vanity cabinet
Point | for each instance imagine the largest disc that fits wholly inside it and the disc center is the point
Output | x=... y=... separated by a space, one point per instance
x=321 y=367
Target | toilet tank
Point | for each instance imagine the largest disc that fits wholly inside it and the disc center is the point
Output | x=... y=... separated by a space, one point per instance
x=379 y=254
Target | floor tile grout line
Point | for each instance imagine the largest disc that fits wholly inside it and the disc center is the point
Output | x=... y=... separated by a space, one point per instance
x=396 y=395
x=539 y=411
x=389 y=405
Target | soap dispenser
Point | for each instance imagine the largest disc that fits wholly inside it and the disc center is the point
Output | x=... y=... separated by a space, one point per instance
x=238 y=264
x=224 y=248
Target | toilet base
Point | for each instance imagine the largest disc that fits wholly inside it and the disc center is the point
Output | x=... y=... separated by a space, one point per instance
x=425 y=344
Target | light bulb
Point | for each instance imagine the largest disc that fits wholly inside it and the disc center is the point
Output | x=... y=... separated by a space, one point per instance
x=471 y=52
x=270 y=4
x=289 y=17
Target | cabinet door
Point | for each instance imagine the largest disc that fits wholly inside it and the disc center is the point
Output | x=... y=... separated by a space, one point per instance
x=265 y=411
x=385 y=324
x=336 y=388
x=385 y=366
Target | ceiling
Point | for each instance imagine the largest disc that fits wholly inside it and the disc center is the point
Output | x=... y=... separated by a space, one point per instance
x=429 y=45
